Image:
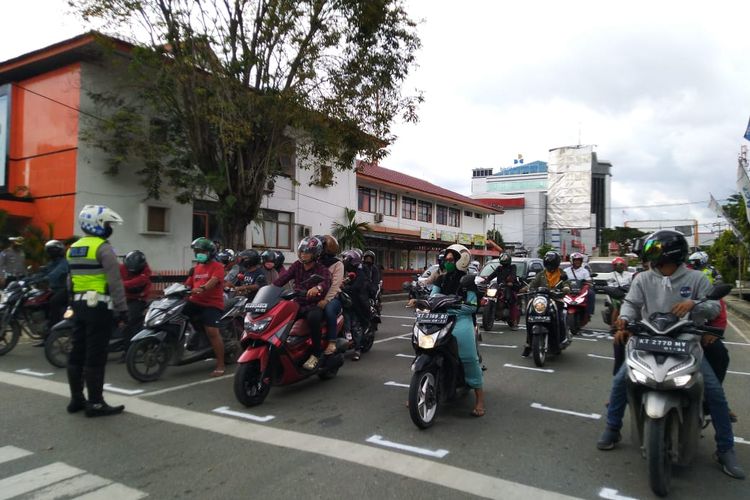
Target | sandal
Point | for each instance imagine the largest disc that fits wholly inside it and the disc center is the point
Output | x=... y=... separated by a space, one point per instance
x=218 y=373
x=477 y=412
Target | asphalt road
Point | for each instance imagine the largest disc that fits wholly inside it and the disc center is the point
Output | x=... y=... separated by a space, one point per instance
x=186 y=436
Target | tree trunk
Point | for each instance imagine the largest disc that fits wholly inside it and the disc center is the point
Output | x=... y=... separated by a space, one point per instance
x=234 y=233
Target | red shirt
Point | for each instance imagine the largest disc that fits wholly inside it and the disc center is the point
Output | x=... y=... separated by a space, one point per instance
x=720 y=321
x=202 y=273
x=137 y=286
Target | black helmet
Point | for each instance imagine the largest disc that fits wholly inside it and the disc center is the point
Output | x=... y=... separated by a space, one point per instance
x=551 y=261
x=368 y=253
x=665 y=246
x=278 y=260
x=441 y=260
x=54 y=248
x=268 y=256
x=505 y=259
x=248 y=258
x=135 y=261
x=225 y=256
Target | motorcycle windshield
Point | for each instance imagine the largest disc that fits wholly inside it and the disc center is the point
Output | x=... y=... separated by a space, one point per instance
x=265 y=300
x=439 y=301
x=576 y=286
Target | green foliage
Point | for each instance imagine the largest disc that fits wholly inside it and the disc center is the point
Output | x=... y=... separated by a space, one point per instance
x=544 y=249
x=623 y=236
x=725 y=255
x=351 y=234
x=236 y=87
x=494 y=235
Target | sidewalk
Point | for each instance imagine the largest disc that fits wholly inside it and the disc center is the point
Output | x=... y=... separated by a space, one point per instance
x=738 y=306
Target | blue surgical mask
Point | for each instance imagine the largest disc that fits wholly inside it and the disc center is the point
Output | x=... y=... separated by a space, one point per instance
x=201 y=257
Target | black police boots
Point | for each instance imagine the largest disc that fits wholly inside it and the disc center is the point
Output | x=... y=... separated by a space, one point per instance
x=96 y=407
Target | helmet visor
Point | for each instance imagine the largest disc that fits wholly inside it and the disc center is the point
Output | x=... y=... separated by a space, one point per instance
x=653 y=250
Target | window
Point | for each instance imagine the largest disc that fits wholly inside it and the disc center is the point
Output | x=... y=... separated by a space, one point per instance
x=156 y=220
x=5 y=103
x=388 y=203
x=368 y=199
x=425 y=211
x=206 y=221
x=454 y=217
x=323 y=176
x=408 y=208
x=467 y=213
x=477 y=215
x=277 y=229
x=441 y=214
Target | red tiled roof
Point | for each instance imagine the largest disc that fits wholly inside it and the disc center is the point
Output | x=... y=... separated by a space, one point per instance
x=375 y=173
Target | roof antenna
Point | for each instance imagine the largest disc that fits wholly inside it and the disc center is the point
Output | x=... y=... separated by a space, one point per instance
x=579 y=133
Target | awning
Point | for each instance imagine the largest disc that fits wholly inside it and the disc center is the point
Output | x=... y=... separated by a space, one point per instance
x=484 y=253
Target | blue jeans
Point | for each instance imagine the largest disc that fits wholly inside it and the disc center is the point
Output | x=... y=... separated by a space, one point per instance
x=332 y=310
x=713 y=394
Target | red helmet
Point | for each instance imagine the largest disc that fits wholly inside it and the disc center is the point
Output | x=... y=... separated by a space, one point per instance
x=618 y=260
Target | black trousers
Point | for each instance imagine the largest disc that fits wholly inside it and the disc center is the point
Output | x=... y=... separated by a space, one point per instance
x=314 y=318
x=88 y=356
x=135 y=318
x=57 y=304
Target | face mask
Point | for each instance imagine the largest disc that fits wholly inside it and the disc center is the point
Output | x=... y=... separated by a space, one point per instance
x=450 y=266
x=201 y=257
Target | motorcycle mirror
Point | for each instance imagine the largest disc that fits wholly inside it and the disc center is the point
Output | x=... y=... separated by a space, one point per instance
x=531 y=274
x=719 y=291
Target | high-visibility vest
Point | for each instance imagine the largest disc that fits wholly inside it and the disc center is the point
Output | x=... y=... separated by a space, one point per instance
x=86 y=272
x=709 y=274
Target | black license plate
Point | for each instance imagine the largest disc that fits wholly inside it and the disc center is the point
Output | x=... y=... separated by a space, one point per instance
x=432 y=318
x=256 y=308
x=663 y=345
x=538 y=319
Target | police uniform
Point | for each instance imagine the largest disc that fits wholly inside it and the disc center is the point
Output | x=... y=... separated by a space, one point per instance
x=97 y=295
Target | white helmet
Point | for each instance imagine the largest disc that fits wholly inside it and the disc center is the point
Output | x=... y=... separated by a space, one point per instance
x=698 y=259
x=94 y=219
x=464 y=257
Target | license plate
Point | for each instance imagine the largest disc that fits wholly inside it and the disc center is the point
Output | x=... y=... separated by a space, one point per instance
x=538 y=319
x=256 y=308
x=432 y=318
x=663 y=345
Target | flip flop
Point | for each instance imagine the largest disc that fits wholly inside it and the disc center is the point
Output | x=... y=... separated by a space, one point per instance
x=477 y=412
x=218 y=373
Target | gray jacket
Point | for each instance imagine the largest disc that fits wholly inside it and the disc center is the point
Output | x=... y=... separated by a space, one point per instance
x=652 y=292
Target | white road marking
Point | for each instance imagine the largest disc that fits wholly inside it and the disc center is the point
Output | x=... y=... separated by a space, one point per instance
x=8 y=453
x=429 y=471
x=499 y=345
x=375 y=439
x=185 y=386
x=594 y=416
x=116 y=490
x=737 y=373
x=587 y=340
x=741 y=440
x=410 y=356
x=36 y=478
x=26 y=371
x=611 y=494
x=409 y=326
x=398 y=317
x=598 y=356
x=119 y=390
x=546 y=370
x=70 y=487
x=738 y=331
x=402 y=336
x=395 y=384
x=224 y=410
x=734 y=343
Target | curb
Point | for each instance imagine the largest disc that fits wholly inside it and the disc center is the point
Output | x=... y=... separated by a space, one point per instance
x=732 y=305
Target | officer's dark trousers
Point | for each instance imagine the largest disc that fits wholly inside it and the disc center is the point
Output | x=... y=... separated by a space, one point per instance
x=88 y=356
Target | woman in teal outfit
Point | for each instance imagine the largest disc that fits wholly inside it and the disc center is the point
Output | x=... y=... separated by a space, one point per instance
x=457 y=259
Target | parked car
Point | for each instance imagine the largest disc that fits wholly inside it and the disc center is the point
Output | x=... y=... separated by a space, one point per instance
x=526 y=269
x=603 y=270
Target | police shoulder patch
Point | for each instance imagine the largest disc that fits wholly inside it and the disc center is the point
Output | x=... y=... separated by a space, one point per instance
x=79 y=251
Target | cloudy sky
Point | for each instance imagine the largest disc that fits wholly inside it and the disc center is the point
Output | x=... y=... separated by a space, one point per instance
x=661 y=88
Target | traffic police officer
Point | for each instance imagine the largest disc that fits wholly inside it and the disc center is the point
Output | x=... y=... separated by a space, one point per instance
x=98 y=299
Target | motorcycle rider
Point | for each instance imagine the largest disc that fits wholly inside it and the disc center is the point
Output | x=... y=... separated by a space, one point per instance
x=227 y=258
x=207 y=297
x=671 y=286
x=371 y=272
x=268 y=258
x=309 y=251
x=251 y=276
x=97 y=291
x=55 y=273
x=578 y=272
x=330 y=304
x=136 y=278
x=505 y=272
x=552 y=277
x=355 y=285
x=699 y=262
x=457 y=258
x=12 y=261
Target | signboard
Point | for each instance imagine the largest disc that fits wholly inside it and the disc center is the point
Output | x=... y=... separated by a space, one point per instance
x=464 y=239
x=427 y=234
x=479 y=240
x=448 y=236
x=4 y=130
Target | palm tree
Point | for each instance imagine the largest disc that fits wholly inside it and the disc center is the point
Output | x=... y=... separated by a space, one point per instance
x=351 y=234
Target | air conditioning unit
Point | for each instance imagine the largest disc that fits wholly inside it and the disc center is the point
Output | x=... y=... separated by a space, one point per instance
x=304 y=231
x=378 y=217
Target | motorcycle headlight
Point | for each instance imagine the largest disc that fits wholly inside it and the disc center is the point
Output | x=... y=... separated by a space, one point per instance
x=427 y=341
x=256 y=326
x=491 y=292
x=639 y=377
x=681 y=380
x=68 y=313
x=540 y=304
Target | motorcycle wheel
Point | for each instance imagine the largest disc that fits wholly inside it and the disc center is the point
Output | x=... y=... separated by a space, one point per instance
x=147 y=359
x=423 y=399
x=249 y=389
x=10 y=332
x=488 y=317
x=572 y=320
x=328 y=374
x=658 y=446
x=368 y=339
x=57 y=348
x=539 y=349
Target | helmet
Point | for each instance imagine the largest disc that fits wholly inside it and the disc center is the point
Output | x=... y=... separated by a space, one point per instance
x=551 y=261
x=248 y=258
x=698 y=260
x=135 y=261
x=278 y=260
x=311 y=246
x=576 y=256
x=351 y=258
x=54 y=248
x=16 y=240
x=618 y=260
x=441 y=259
x=330 y=244
x=474 y=267
x=368 y=253
x=97 y=220
x=505 y=259
x=665 y=246
x=461 y=255
x=225 y=256
x=203 y=245
x=267 y=256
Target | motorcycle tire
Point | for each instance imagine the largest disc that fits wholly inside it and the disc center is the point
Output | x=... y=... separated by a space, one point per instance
x=368 y=339
x=488 y=317
x=573 y=323
x=10 y=332
x=57 y=347
x=658 y=446
x=147 y=359
x=249 y=389
x=423 y=398
x=328 y=374
x=539 y=349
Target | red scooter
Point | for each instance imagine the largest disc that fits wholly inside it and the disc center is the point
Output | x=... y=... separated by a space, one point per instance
x=276 y=344
x=577 y=306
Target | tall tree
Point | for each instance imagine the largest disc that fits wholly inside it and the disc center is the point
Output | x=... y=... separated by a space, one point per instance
x=237 y=85
x=351 y=234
